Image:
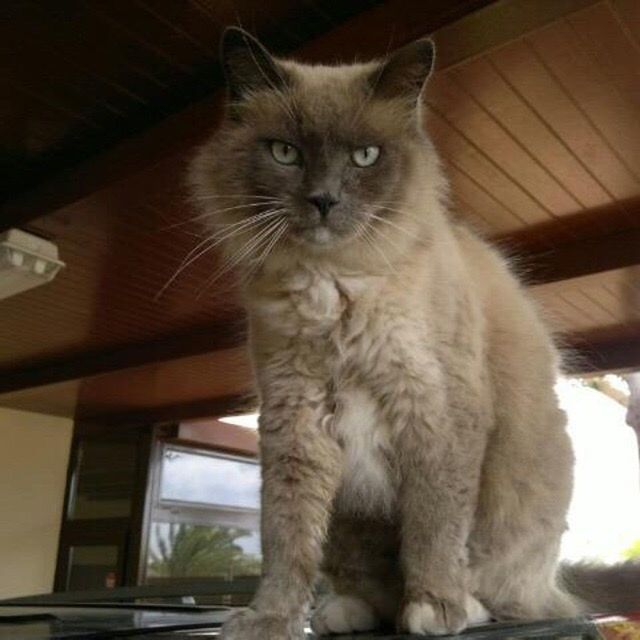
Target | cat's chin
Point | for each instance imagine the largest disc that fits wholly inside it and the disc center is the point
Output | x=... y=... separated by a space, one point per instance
x=319 y=238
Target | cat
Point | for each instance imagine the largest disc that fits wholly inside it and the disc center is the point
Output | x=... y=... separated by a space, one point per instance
x=411 y=441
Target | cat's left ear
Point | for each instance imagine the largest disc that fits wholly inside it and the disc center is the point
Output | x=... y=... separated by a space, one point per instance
x=248 y=66
x=404 y=73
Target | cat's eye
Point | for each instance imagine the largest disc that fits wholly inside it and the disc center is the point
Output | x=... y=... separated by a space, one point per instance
x=365 y=156
x=284 y=153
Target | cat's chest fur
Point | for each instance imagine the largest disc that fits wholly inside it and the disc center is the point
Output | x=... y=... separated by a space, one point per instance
x=335 y=313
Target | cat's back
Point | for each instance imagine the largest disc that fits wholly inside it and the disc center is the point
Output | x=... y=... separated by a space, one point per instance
x=519 y=343
x=495 y=281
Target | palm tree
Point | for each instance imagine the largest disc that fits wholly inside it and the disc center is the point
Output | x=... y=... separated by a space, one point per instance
x=198 y=551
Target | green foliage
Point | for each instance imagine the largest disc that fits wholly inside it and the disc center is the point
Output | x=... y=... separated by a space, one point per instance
x=199 y=552
x=633 y=552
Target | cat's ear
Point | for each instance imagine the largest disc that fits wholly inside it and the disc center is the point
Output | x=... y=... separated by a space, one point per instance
x=248 y=66
x=404 y=73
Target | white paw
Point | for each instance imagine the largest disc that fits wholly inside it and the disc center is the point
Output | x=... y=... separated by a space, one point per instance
x=436 y=617
x=343 y=614
x=476 y=613
x=421 y=618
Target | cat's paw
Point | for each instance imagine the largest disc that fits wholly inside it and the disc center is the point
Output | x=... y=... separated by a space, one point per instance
x=254 y=625
x=343 y=614
x=433 y=616
x=476 y=612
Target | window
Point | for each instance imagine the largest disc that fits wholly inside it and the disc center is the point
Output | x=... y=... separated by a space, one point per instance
x=205 y=520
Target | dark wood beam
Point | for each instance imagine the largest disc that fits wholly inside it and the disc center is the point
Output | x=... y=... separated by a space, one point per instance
x=586 y=356
x=542 y=258
x=583 y=257
x=565 y=260
x=214 y=337
x=205 y=408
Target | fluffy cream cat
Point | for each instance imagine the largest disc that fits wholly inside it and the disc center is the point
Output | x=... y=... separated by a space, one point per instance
x=412 y=445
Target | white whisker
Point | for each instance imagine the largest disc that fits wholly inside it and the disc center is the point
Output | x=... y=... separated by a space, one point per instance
x=372 y=243
x=210 y=214
x=214 y=240
x=262 y=258
x=402 y=211
x=393 y=224
x=248 y=196
x=241 y=254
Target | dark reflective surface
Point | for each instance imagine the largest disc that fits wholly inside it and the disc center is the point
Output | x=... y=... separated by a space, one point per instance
x=21 y=622
x=48 y=623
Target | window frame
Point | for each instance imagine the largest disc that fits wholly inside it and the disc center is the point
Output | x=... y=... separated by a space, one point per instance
x=164 y=510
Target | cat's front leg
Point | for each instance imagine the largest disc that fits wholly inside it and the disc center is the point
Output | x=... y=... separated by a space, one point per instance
x=439 y=446
x=436 y=503
x=440 y=475
x=301 y=465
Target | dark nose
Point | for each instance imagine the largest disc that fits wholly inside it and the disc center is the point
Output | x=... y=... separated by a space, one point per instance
x=322 y=202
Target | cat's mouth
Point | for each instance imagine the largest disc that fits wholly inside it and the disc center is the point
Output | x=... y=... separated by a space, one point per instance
x=319 y=235
x=323 y=233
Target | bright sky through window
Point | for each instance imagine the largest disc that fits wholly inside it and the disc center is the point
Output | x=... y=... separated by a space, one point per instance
x=604 y=518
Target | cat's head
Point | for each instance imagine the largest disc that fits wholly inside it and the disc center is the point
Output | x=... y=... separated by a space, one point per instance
x=323 y=158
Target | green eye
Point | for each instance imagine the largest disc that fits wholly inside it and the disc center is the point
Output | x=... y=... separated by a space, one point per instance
x=283 y=152
x=365 y=156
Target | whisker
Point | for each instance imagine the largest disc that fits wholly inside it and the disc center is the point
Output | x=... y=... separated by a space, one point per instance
x=232 y=227
x=262 y=258
x=374 y=245
x=402 y=211
x=394 y=225
x=235 y=259
x=210 y=214
x=212 y=241
x=386 y=237
x=234 y=195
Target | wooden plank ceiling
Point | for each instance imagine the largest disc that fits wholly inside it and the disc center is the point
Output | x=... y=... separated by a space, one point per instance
x=535 y=110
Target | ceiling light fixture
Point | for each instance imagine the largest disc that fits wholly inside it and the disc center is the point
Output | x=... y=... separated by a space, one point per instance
x=26 y=261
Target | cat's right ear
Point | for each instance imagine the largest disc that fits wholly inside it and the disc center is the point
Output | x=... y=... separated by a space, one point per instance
x=248 y=66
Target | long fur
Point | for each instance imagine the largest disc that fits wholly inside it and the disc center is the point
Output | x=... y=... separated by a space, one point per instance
x=412 y=444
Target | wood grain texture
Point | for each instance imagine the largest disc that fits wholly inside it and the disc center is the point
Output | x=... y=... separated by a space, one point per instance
x=534 y=107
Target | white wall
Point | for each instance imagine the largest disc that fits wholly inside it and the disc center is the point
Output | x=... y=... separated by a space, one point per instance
x=34 y=451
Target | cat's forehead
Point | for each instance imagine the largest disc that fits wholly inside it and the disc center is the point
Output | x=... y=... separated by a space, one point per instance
x=331 y=101
x=319 y=77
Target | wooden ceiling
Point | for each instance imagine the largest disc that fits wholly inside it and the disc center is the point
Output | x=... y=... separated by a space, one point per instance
x=81 y=75
x=535 y=108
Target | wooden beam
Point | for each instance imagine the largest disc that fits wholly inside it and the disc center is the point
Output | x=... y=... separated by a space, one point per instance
x=171 y=413
x=588 y=356
x=585 y=254
x=214 y=337
x=565 y=260
x=583 y=257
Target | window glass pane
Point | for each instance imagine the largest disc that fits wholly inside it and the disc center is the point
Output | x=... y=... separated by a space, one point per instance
x=209 y=479
x=92 y=567
x=181 y=550
x=105 y=479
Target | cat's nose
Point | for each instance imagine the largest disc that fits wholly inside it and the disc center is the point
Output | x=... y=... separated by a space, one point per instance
x=322 y=202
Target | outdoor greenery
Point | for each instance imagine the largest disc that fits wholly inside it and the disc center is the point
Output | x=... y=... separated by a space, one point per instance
x=198 y=551
x=633 y=552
